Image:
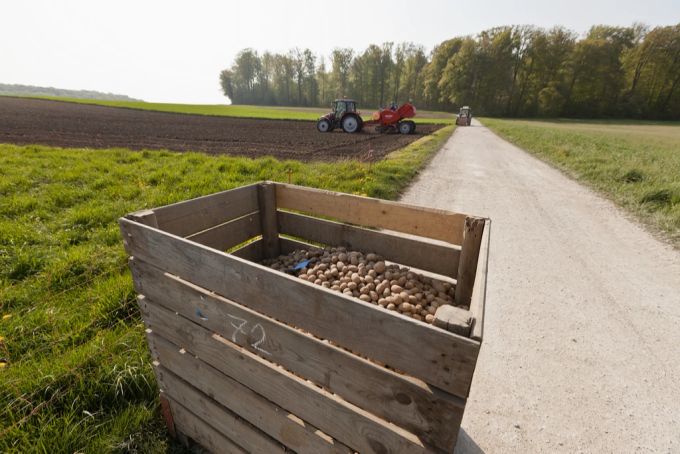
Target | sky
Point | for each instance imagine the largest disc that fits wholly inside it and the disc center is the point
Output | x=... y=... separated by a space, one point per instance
x=173 y=51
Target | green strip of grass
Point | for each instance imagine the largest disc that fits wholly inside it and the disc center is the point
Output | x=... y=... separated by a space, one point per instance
x=635 y=164
x=76 y=375
x=263 y=112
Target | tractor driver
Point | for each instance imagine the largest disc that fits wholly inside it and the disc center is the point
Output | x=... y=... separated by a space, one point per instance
x=393 y=106
x=339 y=109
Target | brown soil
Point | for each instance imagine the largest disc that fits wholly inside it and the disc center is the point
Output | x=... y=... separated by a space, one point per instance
x=64 y=124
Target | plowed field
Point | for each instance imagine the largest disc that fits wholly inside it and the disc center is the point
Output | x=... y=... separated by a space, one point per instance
x=63 y=124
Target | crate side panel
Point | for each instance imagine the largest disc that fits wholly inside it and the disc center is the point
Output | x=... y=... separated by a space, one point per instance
x=409 y=403
x=447 y=363
x=366 y=329
x=218 y=398
x=345 y=422
x=229 y=234
x=205 y=434
x=429 y=256
x=427 y=222
x=195 y=215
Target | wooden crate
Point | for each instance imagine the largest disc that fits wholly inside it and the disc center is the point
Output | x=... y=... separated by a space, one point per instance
x=250 y=359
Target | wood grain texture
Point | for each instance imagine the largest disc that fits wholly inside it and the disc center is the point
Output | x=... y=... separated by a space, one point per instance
x=229 y=234
x=447 y=362
x=289 y=245
x=195 y=215
x=236 y=411
x=203 y=433
x=425 y=411
x=393 y=247
x=469 y=256
x=266 y=195
x=224 y=420
x=400 y=217
x=251 y=251
x=346 y=423
x=146 y=217
x=478 y=298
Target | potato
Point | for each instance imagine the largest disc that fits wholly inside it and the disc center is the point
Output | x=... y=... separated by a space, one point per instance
x=396 y=289
x=391 y=307
x=364 y=297
x=379 y=267
x=429 y=318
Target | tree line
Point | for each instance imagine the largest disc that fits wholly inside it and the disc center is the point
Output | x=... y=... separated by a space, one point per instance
x=512 y=71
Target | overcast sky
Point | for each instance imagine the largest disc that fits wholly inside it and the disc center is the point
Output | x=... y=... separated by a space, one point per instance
x=173 y=51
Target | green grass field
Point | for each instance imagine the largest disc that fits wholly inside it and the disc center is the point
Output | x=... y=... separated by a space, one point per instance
x=75 y=375
x=268 y=112
x=636 y=164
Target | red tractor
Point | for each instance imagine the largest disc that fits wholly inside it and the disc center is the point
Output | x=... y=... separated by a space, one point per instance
x=346 y=116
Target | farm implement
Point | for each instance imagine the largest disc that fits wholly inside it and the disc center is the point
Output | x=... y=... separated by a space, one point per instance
x=345 y=116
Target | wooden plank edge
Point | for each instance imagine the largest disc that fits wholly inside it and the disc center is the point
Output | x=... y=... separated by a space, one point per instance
x=478 y=301
x=205 y=408
x=251 y=251
x=469 y=257
x=202 y=432
x=229 y=234
x=405 y=250
x=401 y=217
x=197 y=214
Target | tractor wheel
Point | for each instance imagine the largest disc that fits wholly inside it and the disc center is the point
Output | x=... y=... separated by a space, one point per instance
x=351 y=124
x=407 y=127
x=324 y=125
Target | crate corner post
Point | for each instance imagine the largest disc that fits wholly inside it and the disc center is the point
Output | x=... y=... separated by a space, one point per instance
x=266 y=196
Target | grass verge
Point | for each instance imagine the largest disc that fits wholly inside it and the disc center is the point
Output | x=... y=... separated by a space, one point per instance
x=264 y=112
x=75 y=375
x=636 y=164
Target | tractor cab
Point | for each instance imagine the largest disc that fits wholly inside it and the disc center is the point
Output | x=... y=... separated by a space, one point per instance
x=343 y=106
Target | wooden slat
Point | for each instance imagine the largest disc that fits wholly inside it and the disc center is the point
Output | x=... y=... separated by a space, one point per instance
x=228 y=405
x=394 y=247
x=229 y=234
x=289 y=245
x=251 y=251
x=226 y=422
x=202 y=432
x=469 y=256
x=427 y=412
x=447 y=362
x=195 y=215
x=345 y=422
x=478 y=300
x=427 y=222
x=266 y=194
x=146 y=217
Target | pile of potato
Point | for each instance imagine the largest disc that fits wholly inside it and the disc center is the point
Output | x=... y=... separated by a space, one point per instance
x=369 y=278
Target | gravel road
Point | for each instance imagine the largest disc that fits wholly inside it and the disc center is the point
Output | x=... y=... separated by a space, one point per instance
x=582 y=333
